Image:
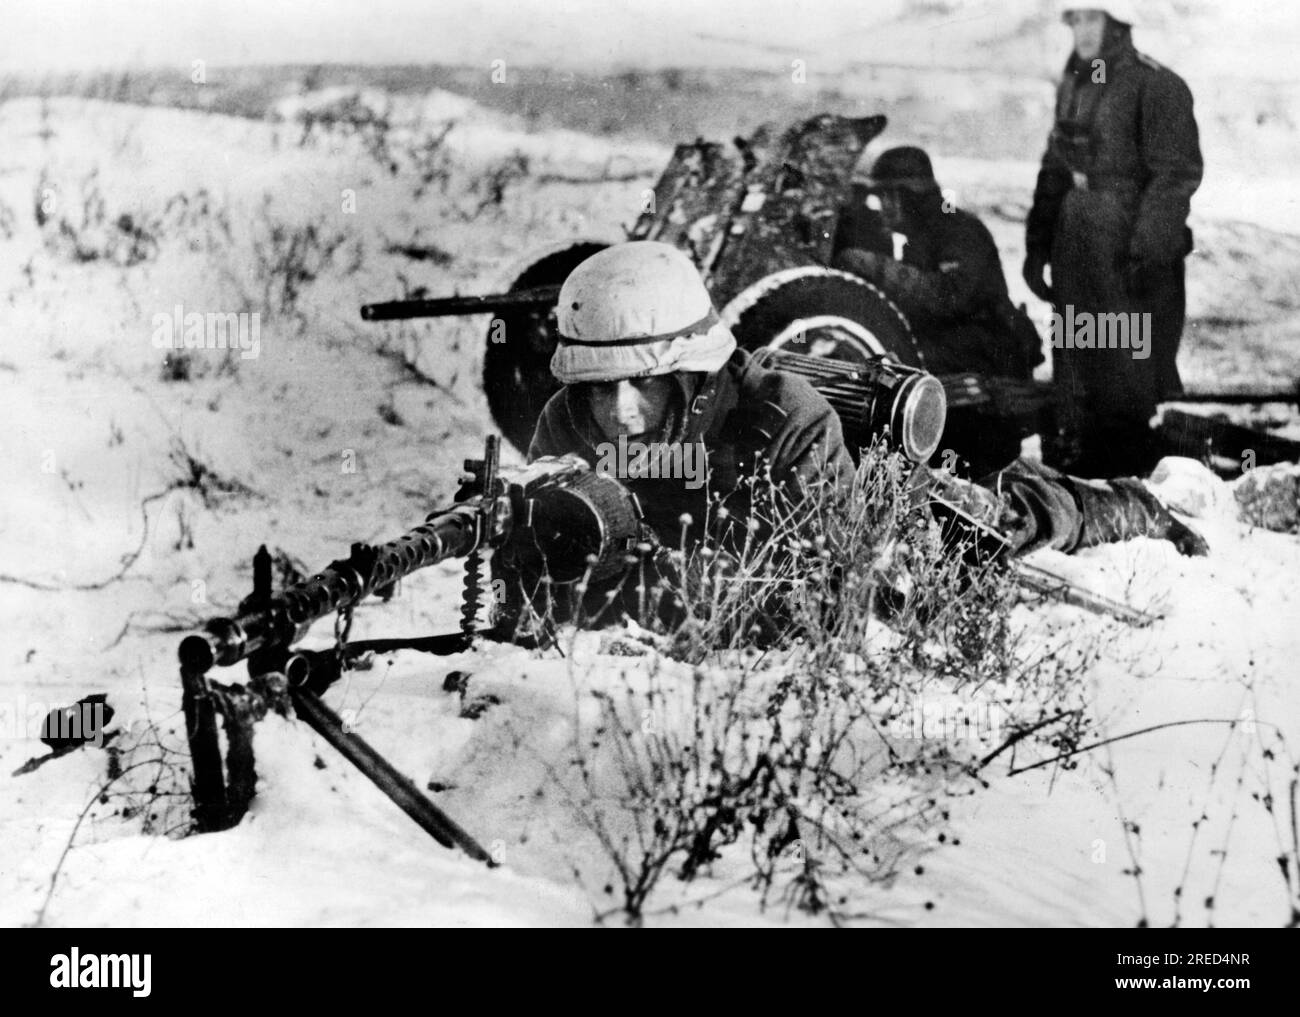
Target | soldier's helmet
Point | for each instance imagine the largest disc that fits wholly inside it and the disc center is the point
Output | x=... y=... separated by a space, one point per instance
x=1123 y=11
x=905 y=168
x=635 y=310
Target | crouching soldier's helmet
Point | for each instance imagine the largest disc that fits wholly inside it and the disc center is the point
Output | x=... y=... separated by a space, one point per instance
x=635 y=310
x=903 y=169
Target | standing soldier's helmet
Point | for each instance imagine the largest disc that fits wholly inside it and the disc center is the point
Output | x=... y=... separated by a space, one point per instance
x=635 y=310
x=905 y=168
x=1123 y=11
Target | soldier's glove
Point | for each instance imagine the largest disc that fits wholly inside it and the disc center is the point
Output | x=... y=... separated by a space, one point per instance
x=1123 y=508
x=1035 y=267
x=865 y=264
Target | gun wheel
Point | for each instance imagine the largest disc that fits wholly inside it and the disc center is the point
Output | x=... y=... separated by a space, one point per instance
x=517 y=375
x=822 y=312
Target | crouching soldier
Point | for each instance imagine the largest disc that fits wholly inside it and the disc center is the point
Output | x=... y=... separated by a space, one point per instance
x=650 y=371
x=950 y=285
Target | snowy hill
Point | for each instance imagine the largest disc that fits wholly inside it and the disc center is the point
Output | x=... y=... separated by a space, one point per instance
x=137 y=491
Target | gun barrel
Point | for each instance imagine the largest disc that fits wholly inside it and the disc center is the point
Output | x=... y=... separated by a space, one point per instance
x=535 y=298
x=1041 y=581
x=453 y=533
x=1240 y=397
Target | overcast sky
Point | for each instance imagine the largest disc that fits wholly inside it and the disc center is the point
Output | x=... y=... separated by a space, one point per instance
x=1244 y=36
x=72 y=34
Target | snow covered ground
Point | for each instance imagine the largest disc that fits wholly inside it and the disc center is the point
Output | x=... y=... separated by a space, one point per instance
x=178 y=475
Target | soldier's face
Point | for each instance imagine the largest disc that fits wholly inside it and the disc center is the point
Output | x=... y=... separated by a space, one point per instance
x=1089 y=28
x=891 y=208
x=635 y=407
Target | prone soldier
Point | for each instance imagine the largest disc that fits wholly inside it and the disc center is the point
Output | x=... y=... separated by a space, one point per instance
x=645 y=359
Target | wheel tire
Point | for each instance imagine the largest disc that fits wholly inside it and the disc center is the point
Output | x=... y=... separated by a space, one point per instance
x=822 y=312
x=517 y=373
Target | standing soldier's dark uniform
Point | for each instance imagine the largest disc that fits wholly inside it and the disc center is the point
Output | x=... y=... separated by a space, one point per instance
x=950 y=285
x=1109 y=216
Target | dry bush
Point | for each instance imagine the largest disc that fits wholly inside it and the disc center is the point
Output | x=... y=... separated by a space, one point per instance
x=200 y=218
x=214 y=489
x=86 y=232
x=817 y=643
x=488 y=190
x=146 y=789
x=287 y=257
x=8 y=222
x=149 y=775
x=1270 y=498
x=431 y=162
x=351 y=117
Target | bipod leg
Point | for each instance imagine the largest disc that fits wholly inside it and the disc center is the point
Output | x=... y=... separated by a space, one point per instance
x=209 y=782
x=379 y=771
x=396 y=785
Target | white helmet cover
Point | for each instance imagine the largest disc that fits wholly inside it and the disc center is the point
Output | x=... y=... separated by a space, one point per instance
x=1118 y=10
x=635 y=310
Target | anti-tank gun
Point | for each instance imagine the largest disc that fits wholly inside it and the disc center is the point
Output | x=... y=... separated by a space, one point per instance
x=762 y=218
x=759 y=218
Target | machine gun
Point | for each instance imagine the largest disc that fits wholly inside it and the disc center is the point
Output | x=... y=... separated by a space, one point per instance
x=556 y=516
x=556 y=512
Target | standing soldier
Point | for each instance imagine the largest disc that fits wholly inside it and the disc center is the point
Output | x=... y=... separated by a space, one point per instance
x=1110 y=218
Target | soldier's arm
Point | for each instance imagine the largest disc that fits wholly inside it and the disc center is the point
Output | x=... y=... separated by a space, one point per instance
x=805 y=447
x=860 y=226
x=815 y=456
x=952 y=292
x=1054 y=182
x=552 y=436
x=1170 y=147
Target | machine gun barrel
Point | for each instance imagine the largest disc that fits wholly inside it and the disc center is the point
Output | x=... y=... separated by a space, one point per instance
x=279 y=620
x=446 y=307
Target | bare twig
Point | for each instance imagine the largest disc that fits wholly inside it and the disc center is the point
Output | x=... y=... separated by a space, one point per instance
x=128 y=560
